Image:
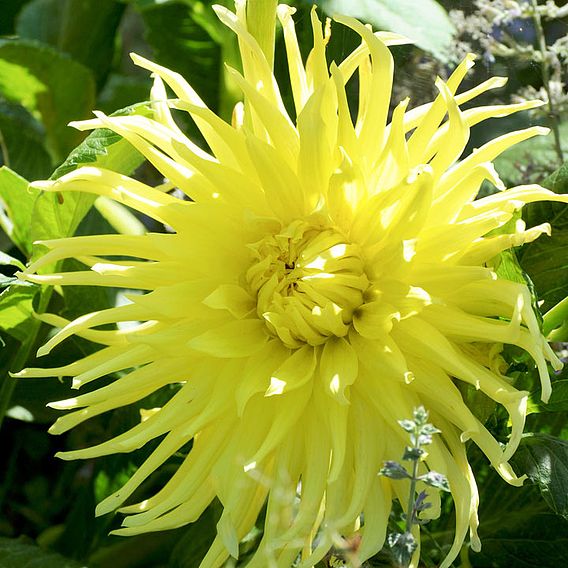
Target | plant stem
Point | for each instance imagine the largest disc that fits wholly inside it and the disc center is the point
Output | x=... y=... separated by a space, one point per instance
x=464 y=557
x=4 y=151
x=411 y=497
x=552 y=113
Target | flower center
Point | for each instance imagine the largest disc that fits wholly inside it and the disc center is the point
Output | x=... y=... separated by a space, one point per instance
x=308 y=281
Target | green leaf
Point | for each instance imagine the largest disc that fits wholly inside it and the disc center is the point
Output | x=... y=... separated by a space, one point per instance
x=545 y=259
x=22 y=553
x=558 y=401
x=7 y=260
x=51 y=86
x=508 y=267
x=16 y=310
x=544 y=459
x=430 y=29
x=23 y=138
x=59 y=215
x=33 y=395
x=106 y=149
x=535 y=541
x=18 y=200
x=84 y=29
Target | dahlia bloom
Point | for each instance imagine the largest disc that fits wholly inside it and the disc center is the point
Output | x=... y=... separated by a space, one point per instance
x=325 y=278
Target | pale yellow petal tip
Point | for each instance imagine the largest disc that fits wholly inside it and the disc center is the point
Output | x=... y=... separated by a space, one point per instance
x=469 y=60
x=284 y=12
x=83 y=125
x=105 y=507
x=391 y=38
x=43 y=350
x=546 y=392
x=222 y=12
x=125 y=532
x=66 y=456
x=138 y=59
x=498 y=82
x=43 y=185
x=534 y=103
x=506 y=472
x=227 y=533
x=63 y=404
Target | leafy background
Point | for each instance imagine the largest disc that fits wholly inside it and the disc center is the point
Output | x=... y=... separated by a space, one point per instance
x=59 y=59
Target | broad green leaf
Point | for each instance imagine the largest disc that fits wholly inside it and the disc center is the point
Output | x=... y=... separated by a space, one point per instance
x=545 y=260
x=545 y=460
x=534 y=541
x=84 y=29
x=16 y=208
x=58 y=215
x=23 y=138
x=33 y=395
x=428 y=26
x=558 y=401
x=23 y=553
x=51 y=86
x=8 y=260
x=508 y=268
x=106 y=149
x=16 y=310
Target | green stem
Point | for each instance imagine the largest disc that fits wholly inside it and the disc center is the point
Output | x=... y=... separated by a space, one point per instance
x=464 y=557
x=411 y=497
x=261 y=22
x=4 y=151
x=552 y=113
x=555 y=317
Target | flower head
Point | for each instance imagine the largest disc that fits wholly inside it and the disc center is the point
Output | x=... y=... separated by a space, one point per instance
x=324 y=278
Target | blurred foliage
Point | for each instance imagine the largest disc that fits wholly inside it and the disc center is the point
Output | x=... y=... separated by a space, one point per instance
x=59 y=59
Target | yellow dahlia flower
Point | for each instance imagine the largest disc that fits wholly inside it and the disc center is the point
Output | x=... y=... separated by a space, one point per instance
x=325 y=278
